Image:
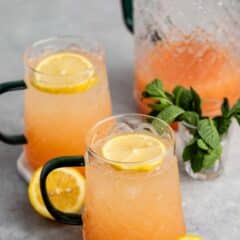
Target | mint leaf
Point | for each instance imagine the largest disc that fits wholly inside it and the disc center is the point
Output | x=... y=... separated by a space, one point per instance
x=202 y=145
x=158 y=125
x=159 y=106
x=169 y=96
x=189 y=100
x=222 y=124
x=196 y=102
x=177 y=92
x=197 y=161
x=235 y=109
x=165 y=101
x=170 y=113
x=200 y=155
x=208 y=132
x=225 y=107
x=189 y=150
x=183 y=98
x=157 y=98
x=210 y=158
x=189 y=117
x=154 y=89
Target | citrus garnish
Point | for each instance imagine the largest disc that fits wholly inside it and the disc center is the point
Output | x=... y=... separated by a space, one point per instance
x=134 y=151
x=64 y=72
x=190 y=237
x=66 y=190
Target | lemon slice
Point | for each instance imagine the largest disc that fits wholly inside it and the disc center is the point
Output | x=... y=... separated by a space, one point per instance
x=66 y=190
x=134 y=151
x=64 y=72
x=190 y=237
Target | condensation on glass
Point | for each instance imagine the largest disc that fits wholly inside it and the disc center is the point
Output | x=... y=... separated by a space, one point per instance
x=191 y=43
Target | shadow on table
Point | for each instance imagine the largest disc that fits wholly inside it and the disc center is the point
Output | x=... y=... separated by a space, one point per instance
x=32 y=226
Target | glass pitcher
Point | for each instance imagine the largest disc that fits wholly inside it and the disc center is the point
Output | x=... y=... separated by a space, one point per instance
x=192 y=43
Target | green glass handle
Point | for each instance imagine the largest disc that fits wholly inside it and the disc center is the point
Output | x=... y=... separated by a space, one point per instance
x=7 y=87
x=127 y=10
x=74 y=161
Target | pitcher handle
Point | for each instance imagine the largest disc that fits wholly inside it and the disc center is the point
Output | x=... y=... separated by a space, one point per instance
x=73 y=161
x=127 y=11
x=7 y=87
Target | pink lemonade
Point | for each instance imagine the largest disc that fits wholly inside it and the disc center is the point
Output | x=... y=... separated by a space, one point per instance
x=133 y=207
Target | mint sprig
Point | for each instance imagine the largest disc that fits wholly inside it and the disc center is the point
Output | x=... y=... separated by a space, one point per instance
x=208 y=132
x=205 y=148
x=223 y=121
x=183 y=104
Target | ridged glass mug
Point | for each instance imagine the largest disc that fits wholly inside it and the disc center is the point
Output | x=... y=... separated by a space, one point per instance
x=123 y=204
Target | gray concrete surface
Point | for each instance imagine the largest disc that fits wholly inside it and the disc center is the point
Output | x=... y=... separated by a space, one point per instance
x=212 y=209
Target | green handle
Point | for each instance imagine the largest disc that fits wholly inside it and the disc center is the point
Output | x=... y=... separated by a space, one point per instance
x=127 y=10
x=74 y=161
x=7 y=87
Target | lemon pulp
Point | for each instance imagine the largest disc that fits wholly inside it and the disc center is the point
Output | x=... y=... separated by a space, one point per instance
x=134 y=151
x=64 y=72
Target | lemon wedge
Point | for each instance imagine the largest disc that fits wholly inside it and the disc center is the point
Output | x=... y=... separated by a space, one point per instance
x=134 y=151
x=190 y=237
x=66 y=190
x=64 y=72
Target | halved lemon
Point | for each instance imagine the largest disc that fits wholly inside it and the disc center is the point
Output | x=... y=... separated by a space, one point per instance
x=190 y=237
x=134 y=151
x=64 y=72
x=66 y=190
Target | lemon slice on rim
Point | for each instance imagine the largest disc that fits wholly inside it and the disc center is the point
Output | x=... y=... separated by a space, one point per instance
x=64 y=72
x=66 y=190
x=134 y=151
x=190 y=237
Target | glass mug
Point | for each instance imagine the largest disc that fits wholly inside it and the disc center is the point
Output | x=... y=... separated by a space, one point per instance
x=117 y=201
x=60 y=108
x=192 y=43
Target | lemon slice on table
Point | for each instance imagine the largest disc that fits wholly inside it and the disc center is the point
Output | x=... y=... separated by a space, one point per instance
x=190 y=237
x=134 y=151
x=66 y=190
x=64 y=72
